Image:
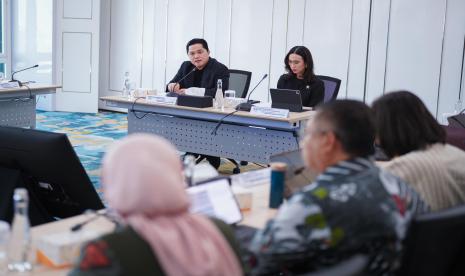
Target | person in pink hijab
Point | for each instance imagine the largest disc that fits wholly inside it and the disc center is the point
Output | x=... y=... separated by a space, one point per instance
x=143 y=182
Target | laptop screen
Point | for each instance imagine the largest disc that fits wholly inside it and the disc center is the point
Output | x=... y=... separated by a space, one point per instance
x=215 y=198
x=286 y=99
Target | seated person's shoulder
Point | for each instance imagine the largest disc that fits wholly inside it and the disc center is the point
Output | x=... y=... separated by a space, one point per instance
x=314 y=189
x=216 y=64
x=114 y=254
x=286 y=77
x=186 y=64
x=316 y=82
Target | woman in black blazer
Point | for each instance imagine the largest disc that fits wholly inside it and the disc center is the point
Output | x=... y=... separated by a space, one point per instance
x=299 y=66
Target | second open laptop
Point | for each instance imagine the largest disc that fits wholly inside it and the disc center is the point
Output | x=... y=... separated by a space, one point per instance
x=215 y=198
x=286 y=99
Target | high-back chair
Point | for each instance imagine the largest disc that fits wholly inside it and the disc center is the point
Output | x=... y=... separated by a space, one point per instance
x=332 y=86
x=239 y=81
x=435 y=244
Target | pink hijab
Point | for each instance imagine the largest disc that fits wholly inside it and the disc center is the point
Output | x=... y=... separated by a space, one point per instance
x=142 y=180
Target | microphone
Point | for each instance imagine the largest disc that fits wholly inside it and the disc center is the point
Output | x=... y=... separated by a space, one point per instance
x=95 y=216
x=190 y=72
x=247 y=106
x=13 y=75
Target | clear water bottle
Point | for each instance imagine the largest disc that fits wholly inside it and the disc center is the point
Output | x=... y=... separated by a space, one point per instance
x=219 y=100
x=20 y=240
x=189 y=164
x=126 y=85
x=4 y=238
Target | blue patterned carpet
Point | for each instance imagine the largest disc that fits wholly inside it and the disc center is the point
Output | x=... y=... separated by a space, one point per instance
x=90 y=134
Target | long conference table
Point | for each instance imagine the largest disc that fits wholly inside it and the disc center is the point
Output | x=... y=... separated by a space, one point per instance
x=241 y=136
x=18 y=105
x=256 y=216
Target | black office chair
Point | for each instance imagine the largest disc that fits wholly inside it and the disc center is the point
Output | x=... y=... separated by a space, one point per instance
x=435 y=244
x=239 y=81
x=332 y=86
x=354 y=265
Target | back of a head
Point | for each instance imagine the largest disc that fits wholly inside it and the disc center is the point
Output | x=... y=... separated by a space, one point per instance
x=142 y=174
x=404 y=124
x=352 y=124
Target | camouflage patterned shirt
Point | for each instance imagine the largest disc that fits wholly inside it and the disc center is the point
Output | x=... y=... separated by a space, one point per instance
x=353 y=207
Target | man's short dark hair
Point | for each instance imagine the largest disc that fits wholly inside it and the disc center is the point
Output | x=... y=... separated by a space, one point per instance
x=197 y=41
x=352 y=123
x=404 y=124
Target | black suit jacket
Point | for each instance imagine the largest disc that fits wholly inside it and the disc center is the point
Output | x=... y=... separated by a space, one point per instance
x=213 y=71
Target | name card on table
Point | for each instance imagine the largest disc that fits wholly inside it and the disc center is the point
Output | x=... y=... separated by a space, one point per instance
x=161 y=99
x=270 y=112
x=7 y=84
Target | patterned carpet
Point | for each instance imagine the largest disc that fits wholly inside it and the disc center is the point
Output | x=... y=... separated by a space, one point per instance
x=90 y=135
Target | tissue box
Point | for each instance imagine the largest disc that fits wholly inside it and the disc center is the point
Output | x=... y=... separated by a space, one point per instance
x=243 y=197
x=62 y=249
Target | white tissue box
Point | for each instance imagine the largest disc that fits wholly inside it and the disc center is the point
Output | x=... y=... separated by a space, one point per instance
x=62 y=249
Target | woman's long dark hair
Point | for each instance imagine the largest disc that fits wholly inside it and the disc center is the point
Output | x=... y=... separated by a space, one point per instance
x=404 y=124
x=304 y=52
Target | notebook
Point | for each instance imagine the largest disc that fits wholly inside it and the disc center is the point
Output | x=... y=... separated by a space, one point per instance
x=215 y=198
x=286 y=99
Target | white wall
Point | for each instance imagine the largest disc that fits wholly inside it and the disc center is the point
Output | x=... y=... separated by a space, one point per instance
x=372 y=46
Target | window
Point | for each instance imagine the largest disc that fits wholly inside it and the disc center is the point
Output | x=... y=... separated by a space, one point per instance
x=4 y=37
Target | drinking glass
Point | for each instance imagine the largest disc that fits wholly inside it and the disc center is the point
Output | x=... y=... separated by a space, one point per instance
x=229 y=96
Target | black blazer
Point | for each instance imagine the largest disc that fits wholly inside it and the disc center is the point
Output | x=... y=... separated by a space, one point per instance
x=312 y=93
x=213 y=71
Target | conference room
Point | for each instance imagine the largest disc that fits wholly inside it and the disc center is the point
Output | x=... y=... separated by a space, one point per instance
x=82 y=80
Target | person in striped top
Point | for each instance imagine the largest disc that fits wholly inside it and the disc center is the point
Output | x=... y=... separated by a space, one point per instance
x=352 y=207
x=416 y=144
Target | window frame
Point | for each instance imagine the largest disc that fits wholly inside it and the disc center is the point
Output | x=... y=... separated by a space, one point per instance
x=5 y=57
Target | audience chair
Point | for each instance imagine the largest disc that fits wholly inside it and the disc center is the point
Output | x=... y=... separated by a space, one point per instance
x=239 y=81
x=332 y=86
x=455 y=136
x=435 y=244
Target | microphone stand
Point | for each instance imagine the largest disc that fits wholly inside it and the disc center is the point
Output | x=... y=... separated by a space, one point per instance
x=247 y=106
x=13 y=75
x=174 y=94
x=95 y=215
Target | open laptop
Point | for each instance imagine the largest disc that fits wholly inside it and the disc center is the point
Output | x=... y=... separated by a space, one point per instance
x=286 y=99
x=215 y=198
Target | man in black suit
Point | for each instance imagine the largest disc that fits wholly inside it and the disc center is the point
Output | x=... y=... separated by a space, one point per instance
x=206 y=74
x=200 y=71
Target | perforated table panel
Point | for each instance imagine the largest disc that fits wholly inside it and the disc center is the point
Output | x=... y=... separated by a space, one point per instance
x=18 y=112
x=241 y=142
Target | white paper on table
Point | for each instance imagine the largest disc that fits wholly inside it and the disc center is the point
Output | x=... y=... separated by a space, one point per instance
x=195 y=91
